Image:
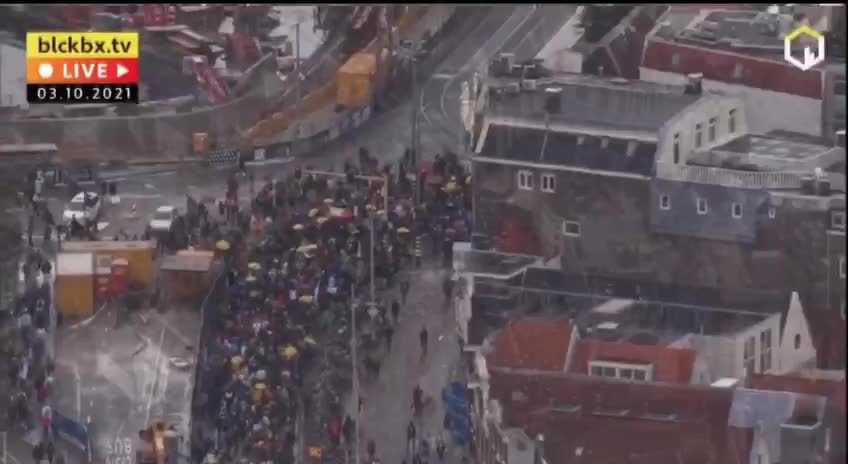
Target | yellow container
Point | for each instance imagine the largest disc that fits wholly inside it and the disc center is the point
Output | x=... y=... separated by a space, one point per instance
x=74 y=288
x=354 y=80
x=139 y=254
x=200 y=142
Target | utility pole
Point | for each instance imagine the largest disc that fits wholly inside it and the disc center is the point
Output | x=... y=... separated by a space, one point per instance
x=416 y=101
x=355 y=361
x=297 y=65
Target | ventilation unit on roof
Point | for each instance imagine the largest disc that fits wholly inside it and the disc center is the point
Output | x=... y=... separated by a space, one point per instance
x=808 y=185
x=528 y=84
x=512 y=88
x=823 y=187
x=553 y=103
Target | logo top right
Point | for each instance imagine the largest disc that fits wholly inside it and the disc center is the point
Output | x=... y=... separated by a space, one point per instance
x=810 y=59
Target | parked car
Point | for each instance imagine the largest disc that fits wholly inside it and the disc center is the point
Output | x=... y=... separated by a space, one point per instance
x=84 y=206
x=163 y=218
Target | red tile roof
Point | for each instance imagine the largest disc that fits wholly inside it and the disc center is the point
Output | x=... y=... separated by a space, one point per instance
x=720 y=65
x=672 y=365
x=646 y=423
x=532 y=344
x=833 y=390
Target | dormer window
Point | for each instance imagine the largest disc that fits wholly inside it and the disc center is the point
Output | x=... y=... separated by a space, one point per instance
x=736 y=210
x=731 y=121
x=676 y=148
x=665 y=202
x=699 y=135
x=623 y=371
x=702 y=206
x=525 y=180
x=711 y=130
x=837 y=220
x=772 y=212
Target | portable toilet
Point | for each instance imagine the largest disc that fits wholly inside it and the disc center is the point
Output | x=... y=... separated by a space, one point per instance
x=102 y=277
x=120 y=276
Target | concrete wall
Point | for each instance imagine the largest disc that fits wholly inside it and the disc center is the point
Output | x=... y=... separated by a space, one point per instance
x=685 y=123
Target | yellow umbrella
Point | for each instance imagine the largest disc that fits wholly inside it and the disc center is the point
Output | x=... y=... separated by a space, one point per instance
x=450 y=187
x=303 y=249
x=289 y=352
x=222 y=245
x=468 y=180
x=254 y=266
x=235 y=362
x=313 y=212
x=380 y=212
x=297 y=227
x=306 y=299
x=328 y=201
x=250 y=278
x=403 y=230
x=310 y=341
x=312 y=246
x=321 y=220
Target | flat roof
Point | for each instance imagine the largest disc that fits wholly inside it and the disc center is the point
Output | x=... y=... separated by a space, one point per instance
x=489 y=263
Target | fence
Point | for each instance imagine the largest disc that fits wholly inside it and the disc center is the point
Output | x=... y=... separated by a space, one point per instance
x=209 y=326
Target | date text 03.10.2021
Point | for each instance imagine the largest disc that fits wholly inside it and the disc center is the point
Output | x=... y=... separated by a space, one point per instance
x=82 y=93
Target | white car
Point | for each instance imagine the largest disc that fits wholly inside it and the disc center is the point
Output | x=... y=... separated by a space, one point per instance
x=163 y=218
x=85 y=206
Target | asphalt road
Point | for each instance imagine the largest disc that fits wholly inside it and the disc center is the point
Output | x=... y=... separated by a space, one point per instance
x=524 y=32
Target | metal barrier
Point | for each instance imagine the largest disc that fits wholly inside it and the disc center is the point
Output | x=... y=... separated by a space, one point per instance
x=209 y=319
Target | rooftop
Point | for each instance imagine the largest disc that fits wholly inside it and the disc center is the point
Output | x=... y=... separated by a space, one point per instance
x=541 y=145
x=531 y=344
x=651 y=423
x=592 y=101
x=751 y=30
x=774 y=151
x=671 y=365
x=492 y=264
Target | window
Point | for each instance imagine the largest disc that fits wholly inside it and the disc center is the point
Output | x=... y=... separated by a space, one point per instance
x=772 y=212
x=676 y=148
x=765 y=350
x=731 y=121
x=548 y=183
x=699 y=136
x=839 y=87
x=615 y=370
x=797 y=341
x=675 y=61
x=738 y=71
x=749 y=356
x=837 y=220
x=842 y=267
x=665 y=202
x=737 y=210
x=525 y=180
x=702 y=206
x=571 y=228
x=711 y=130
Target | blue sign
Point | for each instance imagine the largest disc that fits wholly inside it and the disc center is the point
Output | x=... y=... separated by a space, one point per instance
x=71 y=430
x=456 y=408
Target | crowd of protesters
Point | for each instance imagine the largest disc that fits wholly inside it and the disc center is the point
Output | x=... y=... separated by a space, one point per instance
x=302 y=262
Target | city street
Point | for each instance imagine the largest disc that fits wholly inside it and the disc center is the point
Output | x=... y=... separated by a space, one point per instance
x=387 y=402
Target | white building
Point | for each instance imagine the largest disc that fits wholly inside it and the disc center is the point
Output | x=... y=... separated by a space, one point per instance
x=12 y=74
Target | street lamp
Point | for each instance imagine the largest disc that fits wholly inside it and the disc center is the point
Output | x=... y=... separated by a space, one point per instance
x=409 y=52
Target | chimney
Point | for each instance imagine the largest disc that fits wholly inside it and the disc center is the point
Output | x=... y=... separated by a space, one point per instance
x=693 y=84
x=553 y=100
